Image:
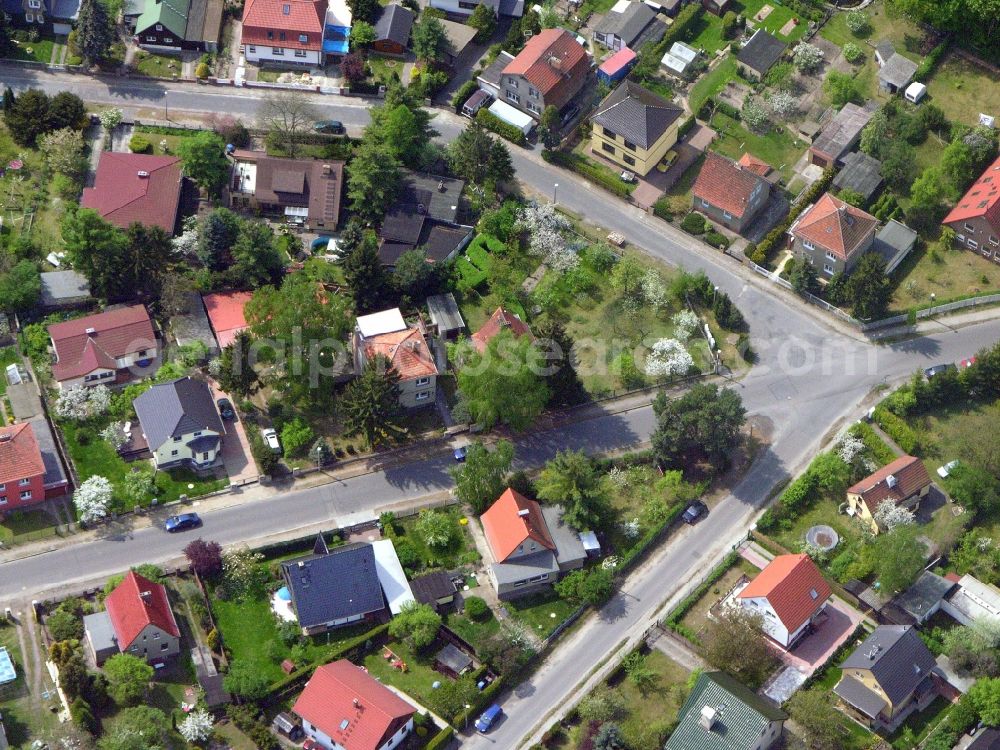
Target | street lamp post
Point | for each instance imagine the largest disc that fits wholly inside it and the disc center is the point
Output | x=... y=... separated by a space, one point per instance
x=715 y=291
x=468 y=708
x=166 y=108
x=555 y=192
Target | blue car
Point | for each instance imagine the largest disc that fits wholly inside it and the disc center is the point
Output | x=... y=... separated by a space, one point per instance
x=183 y=522
x=460 y=454
x=489 y=717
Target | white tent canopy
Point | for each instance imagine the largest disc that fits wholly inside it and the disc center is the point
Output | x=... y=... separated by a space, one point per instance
x=511 y=116
x=391 y=576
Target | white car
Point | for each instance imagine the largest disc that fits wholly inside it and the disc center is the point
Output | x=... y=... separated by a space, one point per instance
x=271 y=438
x=944 y=471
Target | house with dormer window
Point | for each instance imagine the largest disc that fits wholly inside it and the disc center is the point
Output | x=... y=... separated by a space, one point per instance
x=136 y=620
x=789 y=594
x=180 y=24
x=976 y=217
x=284 y=32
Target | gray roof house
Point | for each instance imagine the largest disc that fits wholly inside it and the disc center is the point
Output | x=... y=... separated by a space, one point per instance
x=887 y=676
x=895 y=71
x=638 y=115
x=759 y=53
x=193 y=325
x=722 y=714
x=335 y=587
x=840 y=134
x=100 y=636
x=894 y=242
x=861 y=173
x=64 y=289
x=181 y=423
x=392 y=30
x=924 y=597
x=489 y=79
x=629 y=24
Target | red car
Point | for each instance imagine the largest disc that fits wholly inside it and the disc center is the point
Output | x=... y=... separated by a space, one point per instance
x=966 y=363
x=311 y=744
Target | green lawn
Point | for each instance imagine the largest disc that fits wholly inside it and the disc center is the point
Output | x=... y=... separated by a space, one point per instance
x=26 y=524
x=541 y=612
x=460 y=550
x=419 y=676
x=917 y=726
x=778 y=148
x=705 y=34
x=696 y=618
x=712 y=83
x=8 y=356
x=38 y=51
x=657 y=705
x=963 y=90
x=474 y=632
x=776 y=19
x=158 y=140
x=946 y=273
x=157 y=66
x=903 y=33
x=385 y=70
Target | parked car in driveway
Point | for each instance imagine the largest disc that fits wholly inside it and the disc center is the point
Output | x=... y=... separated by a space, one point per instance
x=694 y=511
x=226 y=410
x=182 y=522
x=270 y=439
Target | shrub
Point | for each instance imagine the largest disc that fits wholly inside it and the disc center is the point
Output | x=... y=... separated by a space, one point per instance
x=589 y=169
x=476 y=608
x=853 y=53
x=139 y=144
x=662 y=209
x=202 y=71
x=491 y=122
x=461 y=96
x=729 y=25
x=857 y=22
x=686 y=126
x=898 y=430
x=715 y=239
x=927 y=65
x=693 y=223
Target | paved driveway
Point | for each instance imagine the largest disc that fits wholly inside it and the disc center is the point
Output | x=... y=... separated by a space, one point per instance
x=236 y=455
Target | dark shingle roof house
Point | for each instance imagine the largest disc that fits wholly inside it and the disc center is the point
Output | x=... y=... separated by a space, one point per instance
x=635 y=25
x=433 y=588
x=307 y=188
x=176 y=409
x=861 y=173
x=894 y=242
x=334 y=587
x=638 y=115
x=136 y=187
x=897 y=659
x=924 y=597
x=394 y=25
x=722 y=714
x=896 y=72
x=761 y=52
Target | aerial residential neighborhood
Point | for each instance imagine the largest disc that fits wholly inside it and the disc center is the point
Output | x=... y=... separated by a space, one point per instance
x=571 y=375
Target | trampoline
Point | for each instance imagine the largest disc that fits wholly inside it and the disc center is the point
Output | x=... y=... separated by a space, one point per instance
x=7 y=671
x=823 y=537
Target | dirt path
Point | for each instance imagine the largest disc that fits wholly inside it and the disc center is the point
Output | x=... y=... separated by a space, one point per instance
x=34 y=667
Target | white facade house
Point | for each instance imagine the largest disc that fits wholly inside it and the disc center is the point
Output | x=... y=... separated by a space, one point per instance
x=181 y=424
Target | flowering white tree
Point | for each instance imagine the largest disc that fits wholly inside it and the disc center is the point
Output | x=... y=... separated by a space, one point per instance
x=619 y=478
x=114 y=433
x=852 y=52
x=196 y=727
x=654 y=291
x=92 y=499
x=685 y=322
x=630 y=529
x=99 y=400
x=783 y=104
x=857 y=21
x=849 y=447
x=79 y=403
x=545 y=226
x=807 y=57
x=889 y=516
x=111 y=118
x=668 y=357
x=754 y=114
x=187 y=242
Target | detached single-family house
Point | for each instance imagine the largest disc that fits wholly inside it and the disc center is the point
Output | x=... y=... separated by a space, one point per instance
x=424 y=216
x=22 y=470
x=225 y=314
x=57 y=15
x=629 y=24
x=840 y=135
x=729 y=193
x=335 y=587
x=136 y=187
x=180 y=24
x=387 y=334
x=64 y=289
x=760 y=52
x=904 y=482
x=895 y=71
x=342 y=707
x=790 y=594
x=181 y=424
x=976 y=217
x=136 y=620
x=500 y=320
x=887 y=677
x=530 y=544
x=722 y=714
x=392 y=30
x=833 y=235
x=103 y=348
x=550 y=70
x=305 y=192
x=634 y=127
x=284 y=32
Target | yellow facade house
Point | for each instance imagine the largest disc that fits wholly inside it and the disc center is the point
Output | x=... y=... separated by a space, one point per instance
x=904 y=482
x=635 y=128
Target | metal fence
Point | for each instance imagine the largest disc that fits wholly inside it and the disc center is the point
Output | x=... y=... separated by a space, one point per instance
x=930 y=312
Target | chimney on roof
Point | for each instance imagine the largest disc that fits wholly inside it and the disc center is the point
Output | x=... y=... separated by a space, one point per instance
x=6 y=437
x=146 y=596
x=326 y=169
x=143 y=173
x=524 y=512
x=357 y=703
x=707 y=718
x=90 y=331
x=891 y=480
x=555 y=62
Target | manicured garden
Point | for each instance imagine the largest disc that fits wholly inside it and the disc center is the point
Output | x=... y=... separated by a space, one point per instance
x=541 y=613
x=39 y=50
x=696 y=619
x=158 y=66
x=418 y=540
x=24 y=525
x=416 y=678
x=712 y=83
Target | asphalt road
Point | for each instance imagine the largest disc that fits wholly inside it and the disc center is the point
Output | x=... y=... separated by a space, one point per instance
x=809 y=377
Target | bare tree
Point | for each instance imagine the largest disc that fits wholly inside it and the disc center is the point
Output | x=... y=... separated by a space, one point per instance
x=285 y=114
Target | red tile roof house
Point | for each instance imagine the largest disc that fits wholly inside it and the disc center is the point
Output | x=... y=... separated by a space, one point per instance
x=976 y=217
x=284 y=32
x=833 y=235
x=530 y=544
x=730 y=193
x=500 y=320
x=136 y=188
x=141 y=622
x=107 y=348
x=225 y=314
x=386 y=333
x=550 y=70
x=344 y=708
x=22 y=470
x=790 y=594
x=904 y=482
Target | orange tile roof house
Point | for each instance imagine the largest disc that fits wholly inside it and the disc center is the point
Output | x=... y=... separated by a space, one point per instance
x=790 y=593
x=136 y=188
x=530 y=544
x=287 y=32
x=833 y=235
x=141 y=622
x=550 y=70
x=904 y=482
x=105 y=348
x=730 y=193
x=386 y=333
x=976 y=217
x=22 y=470
x=225 y=314
x=500 y=320
x=344 y=707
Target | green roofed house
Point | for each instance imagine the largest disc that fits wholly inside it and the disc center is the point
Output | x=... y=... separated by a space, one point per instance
x=179 y=24
x=722 y=714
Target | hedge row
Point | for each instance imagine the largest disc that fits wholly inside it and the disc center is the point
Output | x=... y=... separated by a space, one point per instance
x=686 y=126
x=471 y=276
x=482 y=699
x=881 y=452
x=773 y=240
x=589 y=169
x=341 y=652
x=673 y=619
x=678 y=29
x=897 y=428
x=930 y=62
x=505 y=130
x=462 y=95
x=662 y=209
x=441 y=739
x=651 y=537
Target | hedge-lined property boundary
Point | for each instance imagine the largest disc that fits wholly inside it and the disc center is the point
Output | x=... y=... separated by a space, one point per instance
x=771 y=243
x=505 y=130
x=584 y=167
x=674 y=617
